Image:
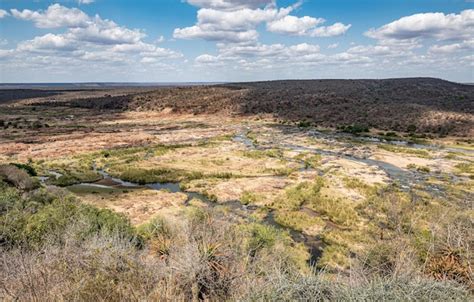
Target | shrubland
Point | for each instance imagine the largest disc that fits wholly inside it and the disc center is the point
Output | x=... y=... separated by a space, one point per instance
x=53 y=247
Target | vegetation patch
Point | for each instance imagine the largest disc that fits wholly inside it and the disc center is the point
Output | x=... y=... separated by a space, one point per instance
x=404 y=150
x=298 y=221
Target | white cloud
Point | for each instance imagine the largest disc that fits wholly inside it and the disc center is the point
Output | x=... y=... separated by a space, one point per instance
x=196 y=32
x=261 y=55
x=106 y=32
x=85 y=38
x=293 y=25
x=306 y=25
x=237 y=21
x=230 y=4
x=85 y=1
x=54 y=17
x=5 y=53
x=336 y=29
x=232 y=26
x=428 y=25
x=334 y=45
x=48 y=42
x=3 y=13
x=467 y=45
x=371 y=50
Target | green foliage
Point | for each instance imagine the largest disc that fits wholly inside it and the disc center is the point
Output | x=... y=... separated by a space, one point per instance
x=262 y=236
x=248 y=198
x=334 y=256
x=296 y=196
x=144 y=176
x=313 y=161
x=355 y=129
x=8 y=197
x=157 y=232
x=411 y=128
x=411 y=151
x=465 y=168
x=337 y=210
x=28 y=168
x=17 y=177
x=422 y=169
x=304 y=124
x=259 y=154
x=46 y=215
x=298 y=220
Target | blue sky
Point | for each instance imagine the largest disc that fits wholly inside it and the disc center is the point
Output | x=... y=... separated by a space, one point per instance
x=234 y=40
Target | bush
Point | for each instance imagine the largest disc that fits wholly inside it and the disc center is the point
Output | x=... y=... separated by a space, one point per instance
x=296 y=196
x=29 y=169
x=262 y=236
x=158 y=234
x=411 y=128
x=248 y=198
x=298 y=220
x=355 y=129
x=45 y=215
x=17 y=177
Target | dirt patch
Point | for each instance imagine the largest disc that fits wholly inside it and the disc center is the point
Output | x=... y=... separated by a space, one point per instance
x=138 y=205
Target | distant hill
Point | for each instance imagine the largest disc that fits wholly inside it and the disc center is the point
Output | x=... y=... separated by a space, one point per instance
x=425 y=104
x=431 y=105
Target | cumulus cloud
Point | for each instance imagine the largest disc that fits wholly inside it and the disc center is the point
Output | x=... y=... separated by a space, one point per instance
x=3 y=13
x=336 y=29
x=230 y=4
x=85 y=38
x=85 y=1
x=428 y=25
x=196 y=32
x=233 y=26
x=293 y=25
x=250 y=55
x=106 y=32
x=55 y=16
x=48 y=42
x=255 y=57
x=306 y=26
x=237 y=21
x=467 y=45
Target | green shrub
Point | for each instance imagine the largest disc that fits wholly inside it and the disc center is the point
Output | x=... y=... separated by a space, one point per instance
x=17 y=177
x=157 y=232
x=355 y=129
x=46 y=215
x=304 y=124
x=28 y=168
x=262 y=236
x=411 y=128
x=397 y=149
x=297 y=220
x=302 y=193
x=248 y=198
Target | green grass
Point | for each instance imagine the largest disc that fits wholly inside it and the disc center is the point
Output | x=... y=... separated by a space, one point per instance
x=308 y=193
x=313 y=161
x=467 y=168
x=404 y=150
x=422 y=169
x=357 y=184
x=146 y=176
x=259 y=154
x=249 y=198
x=294 y=197
x=297 y=221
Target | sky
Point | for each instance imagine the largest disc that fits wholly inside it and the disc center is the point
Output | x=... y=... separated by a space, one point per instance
x=234 y=40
